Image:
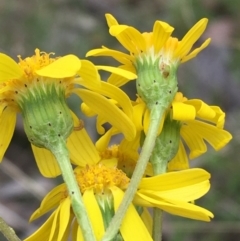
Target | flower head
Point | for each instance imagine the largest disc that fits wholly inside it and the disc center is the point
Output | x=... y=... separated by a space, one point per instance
x=37 y=87
x=16 y=79
x=103 y=184
x=157 y=47
x=199 y=124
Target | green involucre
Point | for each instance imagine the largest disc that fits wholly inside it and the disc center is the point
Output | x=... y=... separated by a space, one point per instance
x=166 y=145
x=46 y=116
x=156 y=82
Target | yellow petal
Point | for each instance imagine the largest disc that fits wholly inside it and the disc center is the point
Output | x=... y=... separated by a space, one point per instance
x=112 y=113
x=184 y=178
x=161 y=32
x=146 y=120
x=87 y=111
x=185 y=193
x=132 y=227
x=64 y=218
x=133 y=146
x=182 y=111
x=193 y=140
x=63 y=67
x=43 y=232
x=190 y=193
x=179 y=208
x=219 y=118
x=119 y=71
x=216 y=137
x=99 y=124
x=129 y=37
x=77 y=232
x=194 y=53
x=110 y=163
x=138 y=113
x=50 y=201
x=203 y=110
x=7 y=123
x=148 y=220
x=179 y=97
x=180 y=161
x=149 y=170
x=103 y=142
x=2 y=107
x=89 y=75
x=100 y=121
x=94 y=213
x=118 y=80
x=118 y=95
x=46 y=162
x=77 y=123
x=55 y=224
x=110 y=20
x=190 y=38
x=68 y=229
x=9 y=69
x=139 y=201
x=82 y=149
x=119 y=56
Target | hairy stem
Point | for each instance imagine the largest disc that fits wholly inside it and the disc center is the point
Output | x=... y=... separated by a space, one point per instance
x=149 y=143
x=61 y=153
x=157 y=213
x=157 y=224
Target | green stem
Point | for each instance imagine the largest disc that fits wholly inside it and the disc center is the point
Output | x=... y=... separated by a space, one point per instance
x=157 y=224
x=62 y=155
x=7 y=231
x=157 y=213
x=159 y=166
x=149 y=143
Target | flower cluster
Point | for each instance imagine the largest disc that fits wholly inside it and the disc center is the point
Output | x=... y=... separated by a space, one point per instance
x=161 y=130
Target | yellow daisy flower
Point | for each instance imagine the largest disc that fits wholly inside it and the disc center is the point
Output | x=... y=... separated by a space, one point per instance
x=200 y=123
x=157 y=45
x=102 y=185
x=37 y=87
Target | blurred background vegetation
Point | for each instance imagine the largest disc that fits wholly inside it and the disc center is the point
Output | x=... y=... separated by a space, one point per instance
x=71 y=26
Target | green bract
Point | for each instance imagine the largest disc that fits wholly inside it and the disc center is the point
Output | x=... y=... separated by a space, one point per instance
x=166 y=146
x=156 y=85
x=46 y=116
